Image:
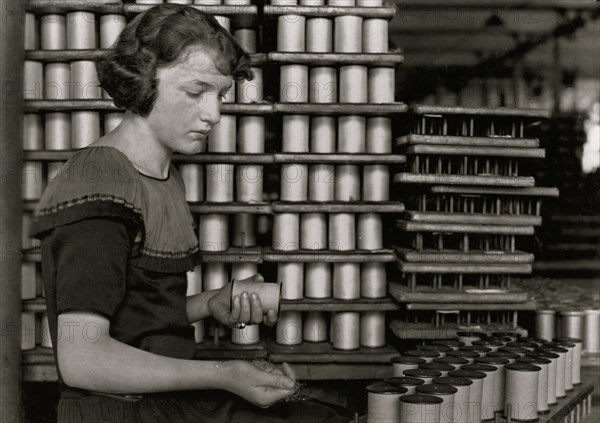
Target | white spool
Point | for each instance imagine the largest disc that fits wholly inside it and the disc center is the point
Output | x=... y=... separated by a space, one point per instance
x=341 y=3
x=321 y=186
x=293 y=84
x=246 y=38
x=33 y=132
x=249 y=183
x=351 y=134
x=381 y=85
x=314 y=328
x=419 y=408
x=244 y=234
x=488 y=405
x=112 y=121
x=369 y=232
x=447 y=394
x=81 y=30
x=291 y=30
x=295 y=137
x=372 y=329
x=289 y=328
x=28 y=331
x=313 y=231
x=323 y=85
x=560 y=369
x=84 y=81
x=58 y=131
x=345 y=330
x=498 y=363
x=383 y=402
x=286 y=232
x=322 y=134
x=369 y=3
x=251 y=91
x=53 y=32
x=591 y=337
x=225 y=22
x=302 y=2
x=250 y=335
x=373 y=281
x=291 y=277
x=110 y=29
x=251 y=134
x=33 y=80
x=348 y=34
x=215 y=276
x=375 y=36
x=400 y=364
x=32 y=35
x=193 y=178
x=572 y=322
x=28 y=280
x=342 y=232
x=346 y=281
x=577 y=351
x=294 y=182
x=57 y=77
x=46 y=339
x=221 y=138
x=569 y=368
x=521 y=391
x=201 y=2
x=475 y=393
x=379 y=135
x=347 y=183
x=219 y=183
x=319 y=35
x=241 y=271
x=461 y=397
x=542 y=390
x=353 y=84
x=376 y=183
x=213 y=232
x=545 y=323
x=317 y=280
x=552 y=371
x=32 y=180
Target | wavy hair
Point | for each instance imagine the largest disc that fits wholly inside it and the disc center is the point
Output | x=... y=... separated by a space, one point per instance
x=159 y=37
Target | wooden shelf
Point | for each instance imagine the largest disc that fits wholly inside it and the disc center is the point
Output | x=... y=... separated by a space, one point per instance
x=456 y=256
x=426 y=331
x=448 y=140
x=37 y=305
x=323 y=352
x=338 y=207
x=466 y=228
x=488 y=180
x=340 y=158
x=521 y=192
x=226 y=350
x=330 y=304
x=529 y=305
x=447 y=150
x=233 y=255
x=472 y=218
x=219 y=9
x=465 y=268
x=403 y=294
x=230 y=208
x=331 y=11
x=338 y=59
x=36 y=106
x=329 y=256
x=362 y=109
x=100 y=7
x=536 y=114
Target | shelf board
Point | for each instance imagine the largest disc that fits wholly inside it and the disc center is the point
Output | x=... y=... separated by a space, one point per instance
x=329 y=256
x=227 y=350
x=449 y=140
x=426 y=331
x=466 y=228
x=338 y=207
x=37 y=305
x=536 y=114
x=338 y=59
x=456 y=256
x=453 y=150
x=403 y=294
x=35 y=106
x=219 y=9
x=529 y=305
x=341 y=158
x=323 y=352
x=522 y=192
x=465 y=268
x=472 y=218
x=488 y=180
x=233 y=255
x=99 y=6
x=330 y=11
x=328 y=109
x=330 y=304
x=231 y=208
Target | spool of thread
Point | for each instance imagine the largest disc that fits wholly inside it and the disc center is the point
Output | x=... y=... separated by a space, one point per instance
x=112 y=121
x=291 y=30
x=372 y=329
x=440 y=349
x=468 y=337
x=560 y=368
x=246 y=37
x=443 y=368
x=32 y=35
x=291 y=278
x=489 y=343
x=53 y=32
x=446 y=393
x=249 y=183
x=294 y=182
x=572 y=322
x=321 y=182
x=552 y=369
x=353 y=84
x=213 y=232
x=376 y=183
x=28 y=331
x=219 y=183
x=33 y=80
x=370 y=232
x=383 y=402
x=345 y=330
x=317 y=282
x=84 y=80
x=348 y=34
x=215 y=276
x=473 y=409
x=455 y=345
x=221 y=138
x=193 y=179
x=319 y=35
x=569 y=370
x=81 y=30
x=467 y=355
x=315 y=327
x=323 y=85
x=32 y=180
x=400 y=364
x=313 y=231
x=58 y=131
x=295 y=137
x=342 y=3
x=346 y=281
x=542 y=388
x=225 y=22
x=420 y=408
x=110 y=29
x=85 y=128
x=500 y=380
x=347 y=183
x=322 y=134
x=381 y=85
x=373 y=280
x=426 y=375
x=251 y=91
x=351 y=134
x=375 y=36
x=453 y=361
x=306 y=2
x=269 y=293
x=410 y=383
x=591 y=338
x=286 y=232
x=379 y=135
x=461 y=397
x=28 y=281
x=33 y=132
x=342 y=232
x=289 y=328
x=244 y=234
x=521 y=391
x=46 y=339
x=428 y=356
x=294 y=84
x=488 y=404
x=510 y=356
x=194 y=287
x=517 y=350
x=251 y=134
x=250 y=335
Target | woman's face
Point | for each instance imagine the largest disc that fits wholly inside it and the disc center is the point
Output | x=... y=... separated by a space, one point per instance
x=188 y=102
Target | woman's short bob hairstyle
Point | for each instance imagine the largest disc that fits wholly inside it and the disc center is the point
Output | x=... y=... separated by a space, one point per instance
x=159 y=37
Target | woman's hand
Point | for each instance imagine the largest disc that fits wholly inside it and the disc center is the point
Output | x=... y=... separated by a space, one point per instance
x=243 y=309
x=261 y=384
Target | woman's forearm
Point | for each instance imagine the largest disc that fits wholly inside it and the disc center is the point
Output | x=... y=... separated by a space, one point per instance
x=197 y=305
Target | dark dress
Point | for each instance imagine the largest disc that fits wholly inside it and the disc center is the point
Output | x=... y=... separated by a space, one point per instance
x=118 y=243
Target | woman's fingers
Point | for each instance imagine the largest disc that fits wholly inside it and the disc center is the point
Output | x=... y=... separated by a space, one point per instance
x=271 y=318
x=234 y=313
x=257 y=311
x=245 y=311
x=288 y=371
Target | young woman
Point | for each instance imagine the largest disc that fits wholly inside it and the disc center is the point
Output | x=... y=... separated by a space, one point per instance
x=117 y=238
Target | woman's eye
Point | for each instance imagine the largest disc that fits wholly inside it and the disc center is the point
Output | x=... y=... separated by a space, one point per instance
x=194 y=94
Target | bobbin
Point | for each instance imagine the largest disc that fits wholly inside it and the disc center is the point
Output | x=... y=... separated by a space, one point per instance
x=221 y=138
x=323 y=85
x=31 y=33
x=381 y=85
x=28 y=280
x=291 y=33
x=369 y=232
x=447 y=394
x=213 y=232
x=193 y=178
x=552 y=369
x=342 y=232
x=383 y=402
x=428 y=356
x=28 y=331
x=291 y=277
x=319 y=35
x=348 y=34
x=294 y=182
x=321 y=182
x=347 y=182
x=295 y=136
x=372 y=329
x=244 y=234
x=410 y=383
x=560 y=368
x=249 y=183
x=440 y=349
x=475 y=392
x=591 y=338
x=314 y=327
x=219 y=182
x=345 y=330
x=32 y=180
x=270 y=294
x=400 y=364
x=499 y=363
x=53 y=30
x=521 y=391
x=443 y=368
x=111 y=27
x=353 y=84
x=426 y=375
x=376 y=183
x=293 y=84
x=33 y=132
x=286 y=232
x=488 y=404
x=346 y=281
x=81 y=30
x=572 y=323
x=420 y=408
x=249 y=335
x=375 y=35
x=246 y=37
x=33 y=80
x=251 y=134
x=379 y=135
x=461 y=397
x=317 y=280
x=313 y=231
x=289 y=328
x=322 y=134
x=351 y=134
x=542 y=390
x=373 y=280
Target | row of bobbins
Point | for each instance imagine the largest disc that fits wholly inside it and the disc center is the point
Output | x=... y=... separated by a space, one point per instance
x=580 y=324
x=35 y=331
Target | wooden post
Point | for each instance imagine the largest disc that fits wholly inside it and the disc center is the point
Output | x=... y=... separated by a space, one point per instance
x=12 y=56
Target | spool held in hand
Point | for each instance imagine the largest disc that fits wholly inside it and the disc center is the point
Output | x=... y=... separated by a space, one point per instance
x=268 y=292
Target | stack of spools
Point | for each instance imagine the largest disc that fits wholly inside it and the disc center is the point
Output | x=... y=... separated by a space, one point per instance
x=448 y=381
x=469 y=199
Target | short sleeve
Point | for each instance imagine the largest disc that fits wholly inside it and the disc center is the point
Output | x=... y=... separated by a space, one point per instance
x=91 y=265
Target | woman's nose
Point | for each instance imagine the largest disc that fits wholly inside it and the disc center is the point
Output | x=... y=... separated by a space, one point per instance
x=210 y=110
